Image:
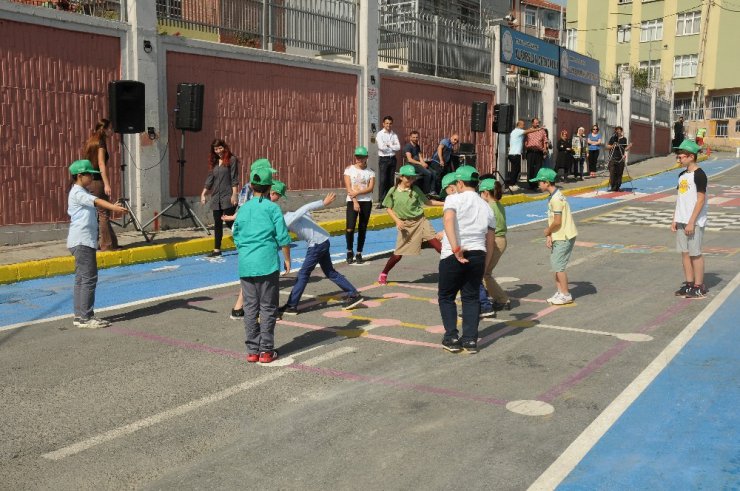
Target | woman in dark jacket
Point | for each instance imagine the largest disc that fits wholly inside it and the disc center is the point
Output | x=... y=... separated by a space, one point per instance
x=223 y=184
x=564 y=161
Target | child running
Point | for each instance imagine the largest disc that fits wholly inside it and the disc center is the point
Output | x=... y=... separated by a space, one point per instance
x=404 y=203
x=359 y=181
x=300 y=223
x=491 y=191
x=560 y=233
x=259 y=230
x=82 y=242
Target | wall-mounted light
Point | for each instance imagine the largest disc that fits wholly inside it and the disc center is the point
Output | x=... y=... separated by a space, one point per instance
x=372 y=79
x=151 y=133
x=147 y=46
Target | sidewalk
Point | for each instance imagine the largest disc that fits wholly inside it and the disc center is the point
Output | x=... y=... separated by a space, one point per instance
x=44 y=259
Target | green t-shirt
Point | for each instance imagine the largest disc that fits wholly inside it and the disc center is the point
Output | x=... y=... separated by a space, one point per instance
x=259 y=231
x=406 y=204
x=500 y=215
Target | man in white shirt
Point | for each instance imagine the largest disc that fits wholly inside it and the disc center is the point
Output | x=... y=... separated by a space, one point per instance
x=467 y=248
x=388 y=145
x=516 y=148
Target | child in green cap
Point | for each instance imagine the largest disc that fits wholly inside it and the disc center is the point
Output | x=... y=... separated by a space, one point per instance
x=82 y=242
x=359 y=182
x=491 y=191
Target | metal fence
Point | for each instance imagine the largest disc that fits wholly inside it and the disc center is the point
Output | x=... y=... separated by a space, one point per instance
x=107 y=9
x=434 y=45
x=308 y=27
x=526 y=95
x=640 y=104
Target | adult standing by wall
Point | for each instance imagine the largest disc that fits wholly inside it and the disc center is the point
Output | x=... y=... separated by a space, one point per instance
x=535 y=144
x=618 y=149
x=412 y=155
x=222 y=183
x=516 y=148
x=388 y=145
x=595 y=140
x=579 y=152
x=96 y=151
x=442 y=158
x=678 y=132
x=564 y=159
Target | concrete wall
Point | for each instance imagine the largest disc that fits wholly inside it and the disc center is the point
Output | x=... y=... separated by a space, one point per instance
x=570 y=120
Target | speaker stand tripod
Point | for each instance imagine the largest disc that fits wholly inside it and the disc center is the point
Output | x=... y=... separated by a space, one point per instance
x=496 y=174
x=186 y=211
x=130 y=216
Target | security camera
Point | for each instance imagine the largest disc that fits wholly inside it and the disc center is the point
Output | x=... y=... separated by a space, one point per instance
x=509 y=18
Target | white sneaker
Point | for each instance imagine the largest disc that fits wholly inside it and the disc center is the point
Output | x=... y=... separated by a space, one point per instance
x=562 y=299
x=91 y=323
x=554 y=297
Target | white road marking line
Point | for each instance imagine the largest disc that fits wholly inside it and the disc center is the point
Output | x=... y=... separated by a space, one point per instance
x=575 y=452
x=184 y=409
x=624 y=336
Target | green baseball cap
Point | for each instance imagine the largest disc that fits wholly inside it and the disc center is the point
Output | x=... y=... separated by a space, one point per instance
x=466 y=173
x=407 y=170
x=279 y=187
x=487 y=185
x=82 y=166
x=262 y=164
x=262 y=177
x=688 y=146
x=446 y=181
x=545 y=174
x=361 y=152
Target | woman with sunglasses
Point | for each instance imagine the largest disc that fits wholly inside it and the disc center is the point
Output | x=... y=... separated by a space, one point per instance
x=595 y=140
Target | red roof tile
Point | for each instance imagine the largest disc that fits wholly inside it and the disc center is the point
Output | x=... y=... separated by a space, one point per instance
x=543 y=4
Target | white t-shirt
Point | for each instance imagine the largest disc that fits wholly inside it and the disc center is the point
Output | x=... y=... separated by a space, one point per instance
x=360 y=179
x=474 y=218
x=516 y=142
x=689 y=185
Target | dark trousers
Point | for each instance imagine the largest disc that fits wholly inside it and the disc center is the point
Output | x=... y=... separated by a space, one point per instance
x=535 y=159
x=318 y=254
x=515 y=162
x=426 y=177
x=386 y=175
x=260 y=311
x=593 y=157
x=464 y=278
x=616 y=169
x=86 y=279
x=218 y=225
x=366 y=208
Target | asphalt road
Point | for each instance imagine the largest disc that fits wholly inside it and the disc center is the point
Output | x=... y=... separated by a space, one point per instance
x=164 y=398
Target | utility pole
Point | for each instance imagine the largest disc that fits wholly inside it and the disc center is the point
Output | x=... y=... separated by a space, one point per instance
x=697 y=97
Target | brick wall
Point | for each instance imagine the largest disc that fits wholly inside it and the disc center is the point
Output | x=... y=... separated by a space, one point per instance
x=640 y=138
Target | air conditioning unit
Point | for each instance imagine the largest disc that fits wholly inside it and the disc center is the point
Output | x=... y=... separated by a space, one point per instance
x=614 y=97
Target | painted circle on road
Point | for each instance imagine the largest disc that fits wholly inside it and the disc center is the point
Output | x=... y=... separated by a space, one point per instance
x=506 y=279
x=530 y=407
x=337 y=314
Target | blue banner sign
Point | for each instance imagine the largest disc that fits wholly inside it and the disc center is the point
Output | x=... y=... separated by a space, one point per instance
x=575 y=66
x=529 y=52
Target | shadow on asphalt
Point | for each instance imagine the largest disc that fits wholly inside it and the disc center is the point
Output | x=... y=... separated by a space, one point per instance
x=166 y=306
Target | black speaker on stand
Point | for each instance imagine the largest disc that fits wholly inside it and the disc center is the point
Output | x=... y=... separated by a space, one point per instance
x=188 y=117
x=126 y=103
x=503 y=124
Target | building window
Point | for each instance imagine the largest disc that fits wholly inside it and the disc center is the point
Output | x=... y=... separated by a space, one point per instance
x=684 y=66
x=725 y=106
x=624 y=1
x=169 y=9
x=688 y=23
x=624 y=33
x=737 y=126
x=571 y=38
x=652 y=68
x=530 y=17
x=622 y=67
x=651 y=30
x=722 y=128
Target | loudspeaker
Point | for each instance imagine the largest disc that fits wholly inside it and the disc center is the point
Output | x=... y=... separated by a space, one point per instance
x=126 y=106
x=503 y=118
x=478 y=117
x=189 y=109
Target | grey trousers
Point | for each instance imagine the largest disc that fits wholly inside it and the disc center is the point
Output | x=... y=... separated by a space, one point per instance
x=86 y=278
x=260 y=300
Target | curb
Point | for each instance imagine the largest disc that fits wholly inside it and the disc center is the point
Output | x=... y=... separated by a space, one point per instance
x=56 y=266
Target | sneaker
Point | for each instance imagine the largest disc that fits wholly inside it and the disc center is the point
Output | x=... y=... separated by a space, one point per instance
x=237 y=314
x=91 y=323
x=268 y=356
x=696 y=292
x=681 y=292
x=358 y=259
x=452 y=345
x=562 y=299
x=470 y=347
x=214 y=254
x=383 y=278
x=552 y=299
x=253 y=357
x=287 y=309
x=352 y=301
x=350 y=257
x=486 y=313
x=502 y=306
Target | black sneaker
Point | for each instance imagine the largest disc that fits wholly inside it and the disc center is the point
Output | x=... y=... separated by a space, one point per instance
x=352 y=301
x=470 y=347
x=214 y=254
x=350 y=257
x=452 y=345
x=696 y=292
x=287 y=309
x=358 y=259
x=502 y=306
x=237 y=314
x=488 y=312
x=681 y=292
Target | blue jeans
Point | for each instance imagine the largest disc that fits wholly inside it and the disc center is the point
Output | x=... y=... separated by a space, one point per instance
x=86 y=279
x=318 y=254
x=485 y=304
x=454 y=277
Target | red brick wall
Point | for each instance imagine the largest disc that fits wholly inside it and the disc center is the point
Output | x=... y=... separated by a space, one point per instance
x=436 y=111
x=640 y=138
x=303 y=120
x=571 y=120
x=662 y=140
x=53 y=89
